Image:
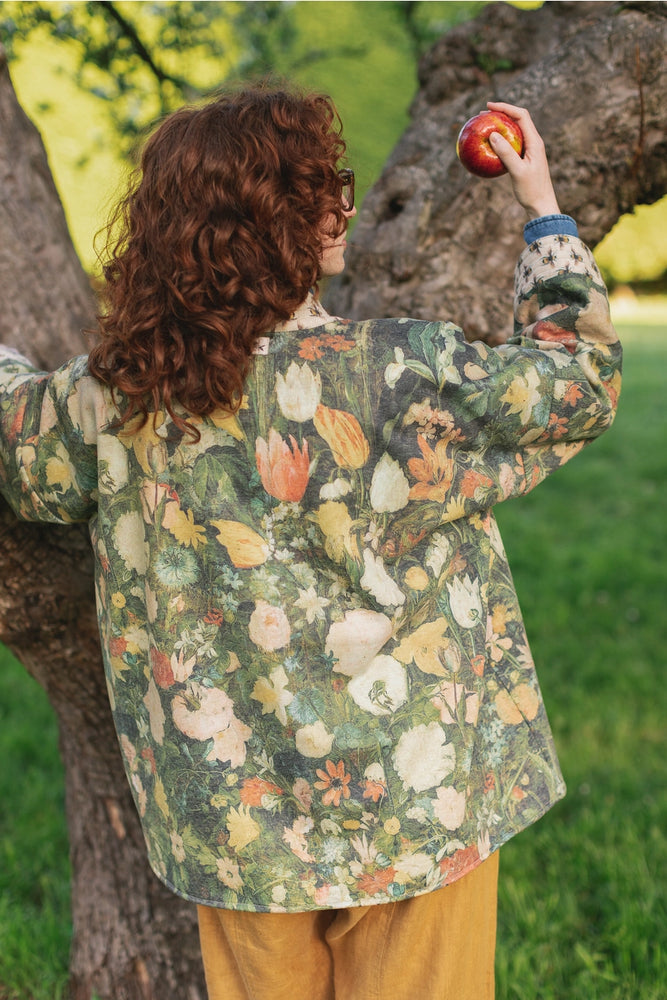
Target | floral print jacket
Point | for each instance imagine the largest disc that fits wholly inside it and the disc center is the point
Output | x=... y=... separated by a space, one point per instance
x=315 y=658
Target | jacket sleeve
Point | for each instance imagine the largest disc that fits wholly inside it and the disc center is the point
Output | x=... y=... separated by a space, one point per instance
x=484 y=424
x=48 y=435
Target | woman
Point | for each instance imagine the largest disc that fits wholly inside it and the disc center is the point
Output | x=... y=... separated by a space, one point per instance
x=315 y=657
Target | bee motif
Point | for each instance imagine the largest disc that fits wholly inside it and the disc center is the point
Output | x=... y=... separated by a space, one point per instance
x=576 y=256
x=549 y=258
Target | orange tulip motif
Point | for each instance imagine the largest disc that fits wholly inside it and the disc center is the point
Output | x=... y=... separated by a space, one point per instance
x=284 y=469
x=342 y=432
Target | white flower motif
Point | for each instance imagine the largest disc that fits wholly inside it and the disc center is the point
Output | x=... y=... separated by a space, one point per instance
x=382 y=687
x=438 y=553
x=298 y=392
x=423 y=758
x=335 y=490
x=114 y=453
x=449 y=807
x=229 y=873
x=314 y=740
x=414 y=865
x=375 y=772
x=356 y=640
x=390 y=488
x=269 y=627
x=153 y=703
x=230 y=744
x=177 y=847
x=313 y=605
x=130 y=542
x=377 y=581
x=395 y=369
x=272 y=692
x=203 y=712
x=465 y=601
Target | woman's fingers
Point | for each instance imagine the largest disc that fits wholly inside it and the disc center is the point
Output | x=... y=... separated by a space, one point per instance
x=530 y=172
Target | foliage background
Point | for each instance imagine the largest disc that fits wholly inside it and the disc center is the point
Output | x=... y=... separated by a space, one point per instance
x=80 y=75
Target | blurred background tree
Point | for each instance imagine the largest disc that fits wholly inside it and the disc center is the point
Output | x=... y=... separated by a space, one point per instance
x=95 y=76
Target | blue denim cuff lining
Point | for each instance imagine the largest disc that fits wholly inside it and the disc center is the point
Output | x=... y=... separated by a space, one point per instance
x=549 y=225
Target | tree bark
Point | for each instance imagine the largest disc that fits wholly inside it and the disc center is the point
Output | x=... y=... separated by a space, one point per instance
x=432 y=241
x=133 y=939
x=593 y=74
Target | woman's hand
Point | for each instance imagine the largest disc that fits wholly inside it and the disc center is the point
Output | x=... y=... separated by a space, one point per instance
x=529 y=174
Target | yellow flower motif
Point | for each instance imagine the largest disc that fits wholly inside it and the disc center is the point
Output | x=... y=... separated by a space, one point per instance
x=272 y=692
x=150 y=449
x=454 y=510
x=416 y=578
x=518 y=705
x=335 y=521
x=242 y=828
x=423 y=647
x=245 y=547
x=523 y=394
x=392 y=826
x=160 y=798
x=228 y=422
x=118 y=600
x=342 y=432
x=182 y=525
x=351 y=824
x=59 y=470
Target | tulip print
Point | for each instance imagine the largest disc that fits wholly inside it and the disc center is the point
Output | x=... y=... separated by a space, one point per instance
x=284 y=470
x=298 y=392
x=342 y=432
x=317 y=665
x=465 y=601
x=245 y=547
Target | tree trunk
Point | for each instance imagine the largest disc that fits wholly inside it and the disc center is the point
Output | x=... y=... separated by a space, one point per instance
x=433 y=241
x=133 y=939
x=593 y=74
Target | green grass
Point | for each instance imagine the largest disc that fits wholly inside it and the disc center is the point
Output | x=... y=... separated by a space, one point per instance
x=35 y=922
x=583 y=909
x=582 y=893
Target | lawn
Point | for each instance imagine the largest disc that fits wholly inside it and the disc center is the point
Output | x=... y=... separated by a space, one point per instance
x=582 y=898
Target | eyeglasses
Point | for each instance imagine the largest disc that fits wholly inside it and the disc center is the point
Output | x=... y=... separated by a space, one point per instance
x=346 y=177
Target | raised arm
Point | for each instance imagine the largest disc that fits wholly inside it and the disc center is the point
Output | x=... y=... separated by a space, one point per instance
x=529 y=173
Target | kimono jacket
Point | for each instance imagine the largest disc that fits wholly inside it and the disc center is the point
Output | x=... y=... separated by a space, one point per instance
x=315 y=658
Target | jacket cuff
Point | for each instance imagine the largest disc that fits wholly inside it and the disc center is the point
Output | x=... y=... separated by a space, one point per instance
x=549 y=225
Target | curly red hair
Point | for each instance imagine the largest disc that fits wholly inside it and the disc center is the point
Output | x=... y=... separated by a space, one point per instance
x=218 y=239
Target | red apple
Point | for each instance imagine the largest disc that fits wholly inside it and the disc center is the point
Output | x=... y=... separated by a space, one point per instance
x=473 y=148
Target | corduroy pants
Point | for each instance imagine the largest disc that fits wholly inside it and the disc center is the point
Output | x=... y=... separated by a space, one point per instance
x=439 y=946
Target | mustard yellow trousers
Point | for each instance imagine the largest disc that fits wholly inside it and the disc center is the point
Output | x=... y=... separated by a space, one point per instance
x=439 y=946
